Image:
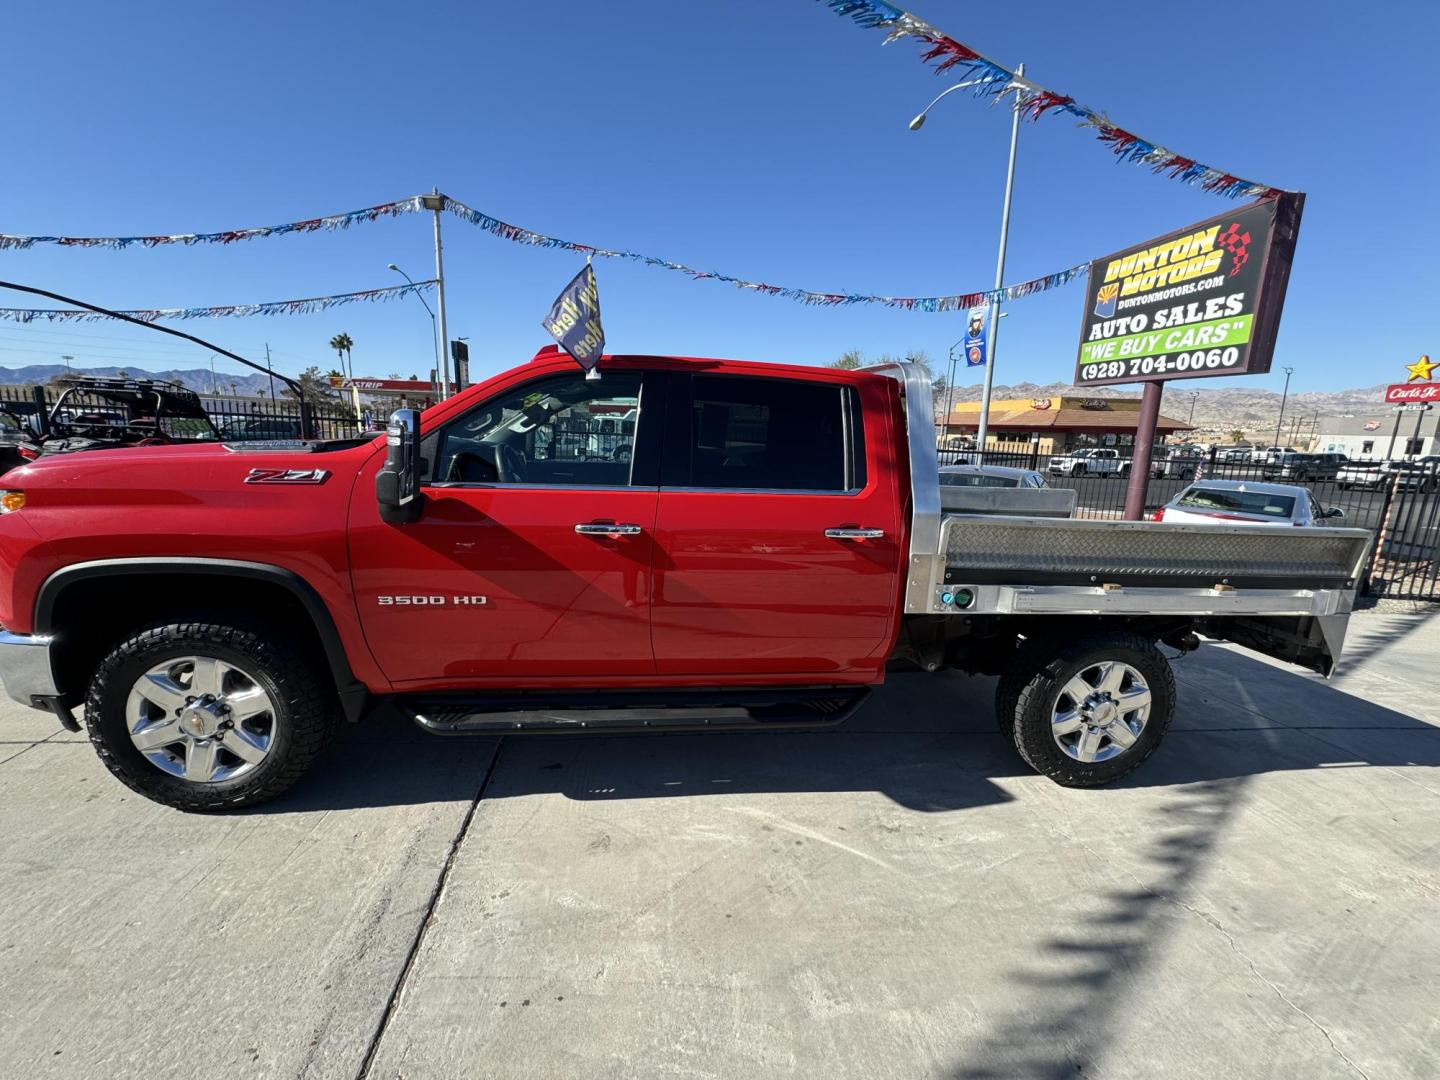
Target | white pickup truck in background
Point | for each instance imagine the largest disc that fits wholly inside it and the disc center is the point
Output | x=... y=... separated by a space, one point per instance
x=1091 y=462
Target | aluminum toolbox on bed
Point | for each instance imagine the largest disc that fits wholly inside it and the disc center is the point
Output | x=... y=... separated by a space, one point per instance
x=1019 y=564
x=986 y=563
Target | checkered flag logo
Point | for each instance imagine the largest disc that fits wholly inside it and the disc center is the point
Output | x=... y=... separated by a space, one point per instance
x=1237 y=242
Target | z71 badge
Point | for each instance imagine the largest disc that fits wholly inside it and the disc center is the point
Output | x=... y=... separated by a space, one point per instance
x=287 y=476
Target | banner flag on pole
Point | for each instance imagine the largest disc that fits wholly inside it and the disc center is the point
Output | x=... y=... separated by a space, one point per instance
x=574 y=319
x=975 y=339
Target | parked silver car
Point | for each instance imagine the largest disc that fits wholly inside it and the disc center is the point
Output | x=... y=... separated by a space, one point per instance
x=990 y=476
x=1243 y=502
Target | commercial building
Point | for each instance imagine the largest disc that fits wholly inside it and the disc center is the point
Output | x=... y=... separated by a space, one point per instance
x=1385 y=433
x=1054 y=425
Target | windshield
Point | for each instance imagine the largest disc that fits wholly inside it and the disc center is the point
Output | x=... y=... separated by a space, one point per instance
x=1226 y=500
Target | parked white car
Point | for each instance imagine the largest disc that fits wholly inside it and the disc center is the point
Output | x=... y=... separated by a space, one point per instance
x=1241 y=502
x=1090 y=462
x=1414 y=475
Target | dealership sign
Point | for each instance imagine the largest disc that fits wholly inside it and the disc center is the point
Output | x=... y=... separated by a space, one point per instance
x=1204 y=300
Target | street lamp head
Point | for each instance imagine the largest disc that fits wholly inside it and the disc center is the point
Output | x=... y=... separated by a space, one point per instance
x=918 y=122
x=392 y=266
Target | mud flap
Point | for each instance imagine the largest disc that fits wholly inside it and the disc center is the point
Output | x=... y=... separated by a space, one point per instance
x=1310 y=641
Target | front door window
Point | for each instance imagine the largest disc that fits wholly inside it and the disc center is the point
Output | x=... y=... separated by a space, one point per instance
x=568 y=431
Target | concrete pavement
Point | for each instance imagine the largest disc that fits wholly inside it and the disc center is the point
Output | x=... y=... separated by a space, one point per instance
x=897 y=898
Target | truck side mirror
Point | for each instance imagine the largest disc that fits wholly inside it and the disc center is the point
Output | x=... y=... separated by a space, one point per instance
x=397 y=484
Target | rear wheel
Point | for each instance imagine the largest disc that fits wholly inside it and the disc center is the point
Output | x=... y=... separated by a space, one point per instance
x=204 y=716
x=1090 y=711
x=1078 y=470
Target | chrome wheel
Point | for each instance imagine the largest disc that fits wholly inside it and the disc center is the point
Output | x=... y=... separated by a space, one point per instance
x=202 y=719
x=1100 y=712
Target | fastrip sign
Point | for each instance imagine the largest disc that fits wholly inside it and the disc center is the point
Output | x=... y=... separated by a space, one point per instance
x=1204 y=300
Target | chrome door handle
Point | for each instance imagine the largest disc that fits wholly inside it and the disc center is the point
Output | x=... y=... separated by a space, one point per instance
x=854 y=534
x=600 y=528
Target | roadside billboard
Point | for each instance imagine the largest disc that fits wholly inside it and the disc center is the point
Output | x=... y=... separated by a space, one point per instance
x=1201 y=301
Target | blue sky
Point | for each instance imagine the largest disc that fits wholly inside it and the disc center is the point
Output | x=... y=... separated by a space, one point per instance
x=761 y=138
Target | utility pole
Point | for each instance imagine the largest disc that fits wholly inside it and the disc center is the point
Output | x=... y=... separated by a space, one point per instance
x=271 y=370
x=1283 y=398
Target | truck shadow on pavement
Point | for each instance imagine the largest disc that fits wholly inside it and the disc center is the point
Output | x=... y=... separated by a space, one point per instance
x=928 y=742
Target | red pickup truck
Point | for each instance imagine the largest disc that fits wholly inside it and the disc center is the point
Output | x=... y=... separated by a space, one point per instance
x=678 y=544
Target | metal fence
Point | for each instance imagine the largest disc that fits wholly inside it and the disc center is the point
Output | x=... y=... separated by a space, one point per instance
x=237 y=419
x=1400 y=506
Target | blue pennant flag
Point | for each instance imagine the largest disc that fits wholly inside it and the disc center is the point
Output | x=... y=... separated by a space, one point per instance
x=574 y=319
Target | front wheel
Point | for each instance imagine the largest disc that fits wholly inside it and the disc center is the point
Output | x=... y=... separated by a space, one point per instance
x=205 y=716
x=1090 y=711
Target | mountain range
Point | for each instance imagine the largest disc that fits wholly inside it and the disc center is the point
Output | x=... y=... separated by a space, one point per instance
x=1222 y=410
x=197 y=379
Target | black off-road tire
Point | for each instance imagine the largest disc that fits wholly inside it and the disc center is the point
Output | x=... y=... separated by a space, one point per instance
x=295 y=679
x=1027 y=696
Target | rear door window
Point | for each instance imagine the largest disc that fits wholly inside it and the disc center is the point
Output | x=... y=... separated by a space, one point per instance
x=743 y=433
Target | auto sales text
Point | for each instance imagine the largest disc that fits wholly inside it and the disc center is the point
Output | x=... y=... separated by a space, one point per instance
x=1214 y=308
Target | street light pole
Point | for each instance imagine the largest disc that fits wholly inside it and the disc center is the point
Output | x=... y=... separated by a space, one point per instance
x=999 y=273
x=1283 y=398
x=915 y=125
x=950 y=391
x=435 y=202
x=434 y=334
x=1194 y=397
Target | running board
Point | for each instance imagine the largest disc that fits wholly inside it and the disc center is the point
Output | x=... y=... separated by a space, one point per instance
x=791 y=709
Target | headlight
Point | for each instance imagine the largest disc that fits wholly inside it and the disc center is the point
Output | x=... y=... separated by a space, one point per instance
x=10 y=501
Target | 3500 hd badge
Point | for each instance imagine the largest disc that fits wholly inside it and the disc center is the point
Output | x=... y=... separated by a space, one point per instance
x=431 y=601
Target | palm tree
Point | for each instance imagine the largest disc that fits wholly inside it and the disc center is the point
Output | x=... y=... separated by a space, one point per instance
x=342 y=344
